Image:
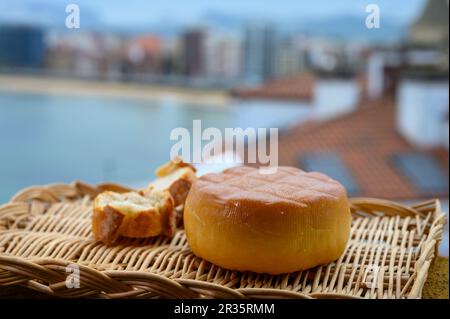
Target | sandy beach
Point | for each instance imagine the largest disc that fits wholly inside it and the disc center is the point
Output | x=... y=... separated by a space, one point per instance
x=48 y=85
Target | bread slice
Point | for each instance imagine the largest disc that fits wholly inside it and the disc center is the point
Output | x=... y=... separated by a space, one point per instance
x=133 y=214
x=171 y=166
x=176 y=177
x=147 y=213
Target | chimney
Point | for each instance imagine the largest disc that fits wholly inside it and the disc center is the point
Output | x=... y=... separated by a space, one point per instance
x=381 y=67
x=422 y=107
x=335 y=93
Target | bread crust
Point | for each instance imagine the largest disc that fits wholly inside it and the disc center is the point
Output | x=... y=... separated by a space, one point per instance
x=171 y=166
x=176 y=178
x=180 y=188
x=106 y=223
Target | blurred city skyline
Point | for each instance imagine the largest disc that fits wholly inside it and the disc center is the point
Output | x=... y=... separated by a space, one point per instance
x=166 y=17
x=206 y=44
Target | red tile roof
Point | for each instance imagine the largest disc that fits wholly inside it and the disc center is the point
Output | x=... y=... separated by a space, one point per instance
x=366 y=141
x=299 y=87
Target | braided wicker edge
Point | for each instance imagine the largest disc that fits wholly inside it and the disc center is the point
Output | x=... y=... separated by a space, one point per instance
x=49 y=275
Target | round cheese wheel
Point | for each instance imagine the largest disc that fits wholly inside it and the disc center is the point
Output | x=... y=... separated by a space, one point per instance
x=276 y=223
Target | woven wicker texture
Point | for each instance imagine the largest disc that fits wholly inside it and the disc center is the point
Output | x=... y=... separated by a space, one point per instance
x=44 y=229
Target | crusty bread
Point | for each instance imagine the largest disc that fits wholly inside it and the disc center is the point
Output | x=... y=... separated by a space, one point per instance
x=275 y=223
x=147 y=213
x=171 y=166
x=175 y=177
x=177 y=182
x=133 y=214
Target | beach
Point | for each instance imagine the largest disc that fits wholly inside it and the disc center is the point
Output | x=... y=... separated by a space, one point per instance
x=52 y=85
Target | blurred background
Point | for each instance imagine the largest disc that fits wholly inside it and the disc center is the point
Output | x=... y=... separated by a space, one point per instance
x=368 y=106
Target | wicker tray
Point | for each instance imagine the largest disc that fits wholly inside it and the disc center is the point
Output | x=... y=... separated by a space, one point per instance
x=44 y=229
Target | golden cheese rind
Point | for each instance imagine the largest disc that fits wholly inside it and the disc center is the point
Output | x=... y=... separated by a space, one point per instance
x=276 y=223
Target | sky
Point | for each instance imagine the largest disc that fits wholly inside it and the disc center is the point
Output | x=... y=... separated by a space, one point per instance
x=141 y=12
